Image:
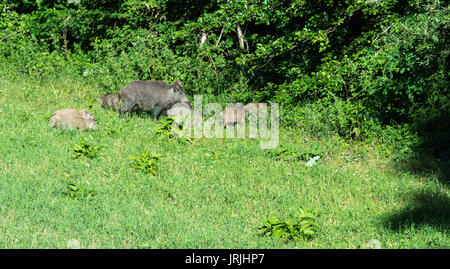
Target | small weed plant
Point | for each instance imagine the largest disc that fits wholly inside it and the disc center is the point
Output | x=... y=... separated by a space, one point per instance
x=147 y=162
x=75 y=191
x=303 y=226
x=86 y=150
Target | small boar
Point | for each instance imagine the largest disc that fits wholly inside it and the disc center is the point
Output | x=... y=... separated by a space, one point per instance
x=152 y=95
x=73 y=118
x=110 y=100
x=233 y=115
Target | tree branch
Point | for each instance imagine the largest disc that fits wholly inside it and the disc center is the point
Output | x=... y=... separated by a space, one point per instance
x=203 y=39
x=240 y=35
x=220 y=36
x=13 y=34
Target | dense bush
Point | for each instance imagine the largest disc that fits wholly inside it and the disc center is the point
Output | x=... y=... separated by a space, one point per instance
x=337 y=66
x=405 y=70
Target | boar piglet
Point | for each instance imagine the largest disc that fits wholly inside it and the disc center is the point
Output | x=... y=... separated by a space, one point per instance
x=233 y=115
x=72 y=119
x=110 y=100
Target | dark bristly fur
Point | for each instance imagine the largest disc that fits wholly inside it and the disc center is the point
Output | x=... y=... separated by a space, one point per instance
x=152 y=95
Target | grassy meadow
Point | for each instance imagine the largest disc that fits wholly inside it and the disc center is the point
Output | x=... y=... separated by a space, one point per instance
x=211 y=193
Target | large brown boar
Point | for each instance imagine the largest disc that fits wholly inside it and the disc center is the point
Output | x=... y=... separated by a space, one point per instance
x=72 y=119
x=154 y=96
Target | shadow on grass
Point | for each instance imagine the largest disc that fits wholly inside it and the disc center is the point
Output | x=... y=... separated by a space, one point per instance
x=431 y=156
x=430 y=159
x=139 y=112
x=424 y=209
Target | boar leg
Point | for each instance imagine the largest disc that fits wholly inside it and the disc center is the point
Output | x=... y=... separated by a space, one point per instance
x=158 y=112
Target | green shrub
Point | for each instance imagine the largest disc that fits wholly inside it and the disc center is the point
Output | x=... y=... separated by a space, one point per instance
x=401 y=69
x=303 y=226
x=165 y=127
x=84 y=149
x=147 y=162
x=76 y=191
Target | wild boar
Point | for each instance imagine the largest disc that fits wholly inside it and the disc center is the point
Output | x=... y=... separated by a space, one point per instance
x=154 y=96
x=73 y=118
x=233 y=115
x=110 y=100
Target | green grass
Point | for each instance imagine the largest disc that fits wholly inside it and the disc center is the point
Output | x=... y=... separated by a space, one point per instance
x=211 y=193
